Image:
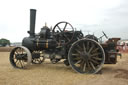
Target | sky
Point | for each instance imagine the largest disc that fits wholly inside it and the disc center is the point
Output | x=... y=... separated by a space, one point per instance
x=90 y=16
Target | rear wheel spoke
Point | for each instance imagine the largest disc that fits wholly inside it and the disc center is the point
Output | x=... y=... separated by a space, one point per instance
x=84 y=68
x=82 y=65
x=92 y=65
x=94 y=61
x=91 y=49
x=87 y=46
x=75 y=54
x=79 y=47
x=77 y=58
x=95 y=54
x=96 y=49
x=78 y=62
x=78 y=51
x=84 y=48
x=97 y=58
x=88 y=65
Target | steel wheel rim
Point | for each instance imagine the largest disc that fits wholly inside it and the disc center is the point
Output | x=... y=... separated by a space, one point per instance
x=86 y=65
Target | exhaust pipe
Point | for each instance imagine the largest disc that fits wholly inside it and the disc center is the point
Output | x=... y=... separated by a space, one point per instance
x=32 y=22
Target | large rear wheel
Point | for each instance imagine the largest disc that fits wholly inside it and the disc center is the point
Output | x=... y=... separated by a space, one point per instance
x=86 y=56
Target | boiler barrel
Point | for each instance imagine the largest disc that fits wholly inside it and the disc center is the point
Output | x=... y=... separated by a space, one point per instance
x=33 y=44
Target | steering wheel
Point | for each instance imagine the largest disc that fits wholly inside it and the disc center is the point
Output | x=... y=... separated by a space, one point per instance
x=63 y=31
x=105 y=34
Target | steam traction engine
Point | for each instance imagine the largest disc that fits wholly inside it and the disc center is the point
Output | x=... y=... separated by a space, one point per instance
x=83 y=54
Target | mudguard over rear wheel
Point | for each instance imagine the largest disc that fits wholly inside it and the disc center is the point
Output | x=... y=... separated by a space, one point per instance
x=86 y=56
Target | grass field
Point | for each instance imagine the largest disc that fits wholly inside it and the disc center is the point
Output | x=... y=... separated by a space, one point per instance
x=59 y=74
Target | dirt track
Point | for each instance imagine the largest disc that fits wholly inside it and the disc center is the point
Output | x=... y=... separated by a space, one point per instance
x=59 y=74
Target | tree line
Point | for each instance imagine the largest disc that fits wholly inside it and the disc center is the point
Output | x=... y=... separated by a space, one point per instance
x=4 y=42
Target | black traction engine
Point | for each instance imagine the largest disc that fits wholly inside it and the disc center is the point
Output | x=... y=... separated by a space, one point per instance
x=83 y=53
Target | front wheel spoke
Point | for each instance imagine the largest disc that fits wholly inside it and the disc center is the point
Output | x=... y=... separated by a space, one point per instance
x=16 y=52
x=22 y=51
x=16 y=61
x=21 y=63
x=14 y=57
x=92 y=65
x=19 y=50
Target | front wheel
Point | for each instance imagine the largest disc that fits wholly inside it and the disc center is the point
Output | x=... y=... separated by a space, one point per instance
x=86 y=56
x=20 y=57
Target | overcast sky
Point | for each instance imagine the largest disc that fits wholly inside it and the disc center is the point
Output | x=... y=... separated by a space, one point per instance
x=93 y=16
